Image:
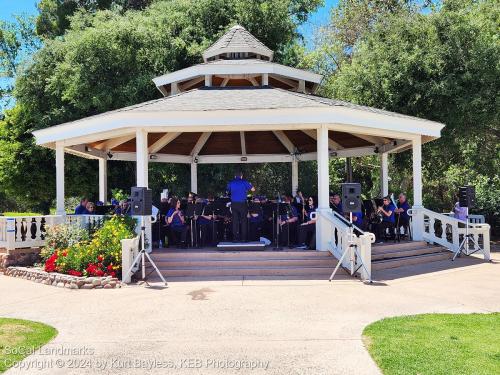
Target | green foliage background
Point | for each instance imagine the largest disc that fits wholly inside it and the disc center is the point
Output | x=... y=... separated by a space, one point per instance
x=433 y=59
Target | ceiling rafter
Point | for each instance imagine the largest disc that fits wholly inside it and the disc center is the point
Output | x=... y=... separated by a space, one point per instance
x=115 y=142
x=331 y=143
x=200 y=143
x=162 y=142
x=243 y=143
x=285 y=141
x=373 y=139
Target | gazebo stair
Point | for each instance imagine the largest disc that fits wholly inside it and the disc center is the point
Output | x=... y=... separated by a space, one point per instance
x=406 y=254
x=244 y=264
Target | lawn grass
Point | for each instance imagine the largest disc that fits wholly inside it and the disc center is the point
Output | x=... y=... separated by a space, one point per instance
x=18 y=338
x=436 y=344
x=21 y=214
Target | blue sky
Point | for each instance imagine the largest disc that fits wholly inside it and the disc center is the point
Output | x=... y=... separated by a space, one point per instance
x=10 y=7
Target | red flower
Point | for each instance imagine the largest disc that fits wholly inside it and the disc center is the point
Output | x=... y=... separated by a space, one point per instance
x=50 y=264
x=74 y=273
x=100 y=258
x=110 y=267
x=99 y=272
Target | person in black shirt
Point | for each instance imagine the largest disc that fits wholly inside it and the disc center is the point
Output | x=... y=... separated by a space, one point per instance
x=307 y=230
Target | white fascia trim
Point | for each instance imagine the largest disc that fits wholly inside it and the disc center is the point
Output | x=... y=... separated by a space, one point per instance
x=227 y=69
x=153 y=158
x=250 y=158
x=336 y=118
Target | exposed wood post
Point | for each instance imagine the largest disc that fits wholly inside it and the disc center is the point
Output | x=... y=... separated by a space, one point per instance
x=60 y=179
x=103 y=180
x=265 y=79
x=384 y=174
x=302 y=86
x=418 y=217
x=194 y=177
x=322 y=233
x=142 y=157
x=174 y=88
x=208 y=80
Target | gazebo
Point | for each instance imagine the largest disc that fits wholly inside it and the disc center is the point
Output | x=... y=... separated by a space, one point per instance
x=238 y=106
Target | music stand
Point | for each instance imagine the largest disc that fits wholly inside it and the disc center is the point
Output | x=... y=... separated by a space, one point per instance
x=221 y=209
x=279 y=208
x=209 y=209
x=198 y=210
x=190 y=215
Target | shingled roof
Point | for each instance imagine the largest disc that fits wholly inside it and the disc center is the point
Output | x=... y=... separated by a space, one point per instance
x=237 y=39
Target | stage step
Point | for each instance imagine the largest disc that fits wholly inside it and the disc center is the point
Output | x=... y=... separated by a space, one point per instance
x=220 y=265
x=406 y=254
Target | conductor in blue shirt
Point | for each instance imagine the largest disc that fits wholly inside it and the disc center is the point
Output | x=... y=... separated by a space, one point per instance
x=238 y=189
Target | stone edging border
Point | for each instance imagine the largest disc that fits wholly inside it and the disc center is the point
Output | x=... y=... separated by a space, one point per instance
x=61 y=280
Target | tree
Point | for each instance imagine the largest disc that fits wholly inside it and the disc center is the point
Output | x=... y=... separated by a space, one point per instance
x=54 y=15
x=17 y=40
x=106 y=60
x=441 y=66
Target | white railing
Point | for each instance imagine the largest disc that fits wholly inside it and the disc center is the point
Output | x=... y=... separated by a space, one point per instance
x=448 y=232
x=340 y=243
x=29 y=231
x=473 y=219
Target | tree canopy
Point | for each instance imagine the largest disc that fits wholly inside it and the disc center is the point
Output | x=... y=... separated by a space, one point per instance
x=441 y=65
x=433 y=59
x=105 y=59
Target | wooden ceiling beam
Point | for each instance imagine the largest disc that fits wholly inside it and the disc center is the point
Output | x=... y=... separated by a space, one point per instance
x=200 y=143
x=286 y=81
x=285 y=141
x=186 y=85
x=162 y=142
x=114 y=142
x=243 y=143
x=331 y=143
x=373 y=139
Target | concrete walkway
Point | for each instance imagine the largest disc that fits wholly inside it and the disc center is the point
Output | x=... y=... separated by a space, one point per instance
x=279 y=327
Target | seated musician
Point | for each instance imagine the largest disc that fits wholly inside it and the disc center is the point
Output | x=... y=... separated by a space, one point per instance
x=255 y=219
x=307 y=230
x=402 y=211
x=357 y=219
x=336 y=204
x=204 y=222
x=123 y=208
x=176 y=221
x=288 y=223
x=388 y=219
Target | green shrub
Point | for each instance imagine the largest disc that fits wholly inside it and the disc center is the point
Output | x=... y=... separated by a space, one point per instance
x=99 y=256
x=62 y=236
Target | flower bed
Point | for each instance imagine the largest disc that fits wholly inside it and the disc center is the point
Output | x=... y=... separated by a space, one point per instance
x=63 y=281
x=71 y=251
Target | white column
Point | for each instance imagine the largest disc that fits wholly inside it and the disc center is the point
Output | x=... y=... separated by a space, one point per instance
x=208 y=80
x=418 y=217
x=142 y=157
x=323 y=234
x=384 y=174
x=194 y=177
x=60 y=179
x=103 y=180
x=295 y=176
